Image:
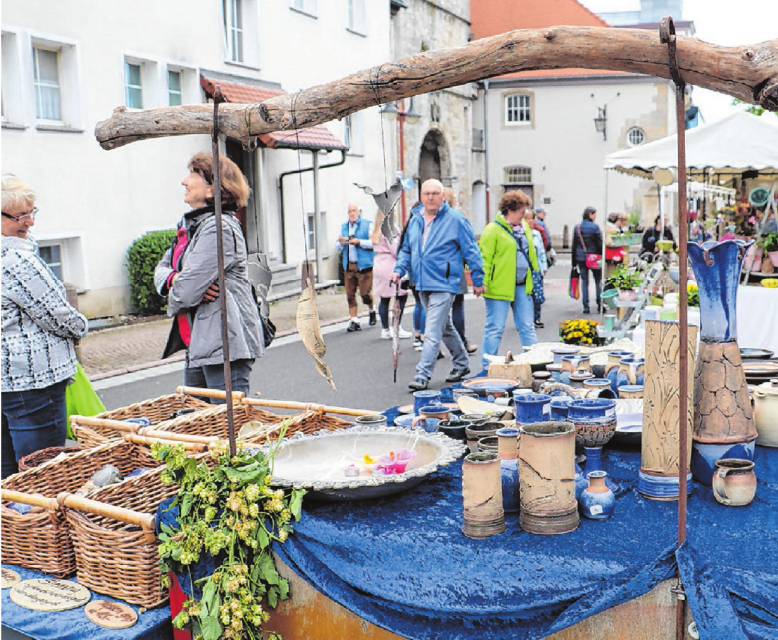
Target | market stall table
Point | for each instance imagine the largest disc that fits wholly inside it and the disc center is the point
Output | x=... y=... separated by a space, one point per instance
x=757 y=317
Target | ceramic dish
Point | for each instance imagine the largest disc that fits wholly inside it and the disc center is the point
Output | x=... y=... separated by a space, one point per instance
x=406 y=408
x=318 y=462
x=404 y=420
x=755 y=354
x=481 y=385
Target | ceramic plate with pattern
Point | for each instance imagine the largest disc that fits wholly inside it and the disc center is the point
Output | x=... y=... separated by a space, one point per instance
x=559 y=389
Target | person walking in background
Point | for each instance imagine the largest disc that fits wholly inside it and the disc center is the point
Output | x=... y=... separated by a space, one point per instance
x=354 y=241
x=655 y=233
x=436 y=242
x=39 y=330
x=458 y=307
x=187 y=275
x=540 y=221
x=538 y=293
x=509 y=257
x=616 y=254
x=587 y=240
x=385 y=257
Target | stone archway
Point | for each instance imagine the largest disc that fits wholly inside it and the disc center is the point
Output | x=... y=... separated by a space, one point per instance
x=434 y=160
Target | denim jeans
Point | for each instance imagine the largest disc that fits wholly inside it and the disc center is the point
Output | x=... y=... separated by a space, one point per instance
x=418 y=314
x=439 y=327
x=32 y=420
x=211 y=376
x=496 y=314
x=597 y=273
x=458 y=315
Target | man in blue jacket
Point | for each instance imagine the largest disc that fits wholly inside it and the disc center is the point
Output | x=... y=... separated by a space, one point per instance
x=436 y=241
x=354 y=241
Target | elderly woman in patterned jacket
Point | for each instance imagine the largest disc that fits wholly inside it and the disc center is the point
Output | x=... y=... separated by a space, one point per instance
x=187 y=276
x=39 y=329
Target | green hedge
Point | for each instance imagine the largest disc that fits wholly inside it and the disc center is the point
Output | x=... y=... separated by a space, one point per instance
x=142 y=258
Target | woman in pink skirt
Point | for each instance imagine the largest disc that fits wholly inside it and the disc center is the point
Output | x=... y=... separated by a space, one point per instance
x=385 y=257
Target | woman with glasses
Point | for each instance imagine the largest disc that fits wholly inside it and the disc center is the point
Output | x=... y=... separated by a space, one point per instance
x=39 y=329
x=187 y=276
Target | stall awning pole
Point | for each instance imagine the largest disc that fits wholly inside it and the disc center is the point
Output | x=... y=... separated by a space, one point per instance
x=667 y=36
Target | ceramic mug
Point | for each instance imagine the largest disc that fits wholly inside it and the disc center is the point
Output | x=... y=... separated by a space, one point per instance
x=734 y=482
x=430 y=416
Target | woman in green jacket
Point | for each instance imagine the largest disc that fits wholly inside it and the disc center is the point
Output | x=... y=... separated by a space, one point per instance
x=509 y=258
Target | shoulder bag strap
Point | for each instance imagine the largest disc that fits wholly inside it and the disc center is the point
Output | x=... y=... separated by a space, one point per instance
x=580 y=237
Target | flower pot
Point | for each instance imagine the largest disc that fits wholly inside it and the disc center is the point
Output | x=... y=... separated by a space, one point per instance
x=773 y=255
x=530 y=407
x=628 y=295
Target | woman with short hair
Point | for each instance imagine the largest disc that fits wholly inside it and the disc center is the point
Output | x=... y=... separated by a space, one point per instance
x=587 y=238
x=188 y=272
x=39 y=329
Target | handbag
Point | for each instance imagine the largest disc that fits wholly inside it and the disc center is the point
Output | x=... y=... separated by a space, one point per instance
x=614 y=255
x=268 y=330
x=575 y=282
x=593 y=260
x=538 y=295
x=80 y=398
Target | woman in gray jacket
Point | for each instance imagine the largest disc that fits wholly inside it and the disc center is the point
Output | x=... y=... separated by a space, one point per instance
x=187 y=275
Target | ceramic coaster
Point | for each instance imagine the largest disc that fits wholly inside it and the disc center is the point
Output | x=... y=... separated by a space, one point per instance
x=45 y=594
x=8 y=578
x=111 y=615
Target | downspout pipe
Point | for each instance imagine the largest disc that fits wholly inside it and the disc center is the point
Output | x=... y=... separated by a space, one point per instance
x=486 y=150
x=281 y=177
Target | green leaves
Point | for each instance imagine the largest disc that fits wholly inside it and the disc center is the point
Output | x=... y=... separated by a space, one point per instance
x=142 y=258
x=296 y=503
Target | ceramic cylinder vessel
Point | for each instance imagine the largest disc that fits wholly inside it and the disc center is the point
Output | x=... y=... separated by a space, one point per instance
x=424 y=398
x=598 y=388
x=631 y=371
x=612 y=365
x=430 y=416
x=766 y=413
x=597 y=500
x=555 y=370
x=539 y=378
x=531 y=407
x=474 y=431
x=561 y=352
x=631 y=391
x=734 y=482
x=558 y=408
x=577 y=378
x=374 y=420
x=658 y=478
x=508 y=450
x=482 y=495
x=454 y=429
x=573 y=364
x=723 y=416
x=547 y=477
x=488 y=443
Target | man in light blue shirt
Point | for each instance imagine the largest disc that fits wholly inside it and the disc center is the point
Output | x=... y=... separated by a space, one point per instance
x=354 y=241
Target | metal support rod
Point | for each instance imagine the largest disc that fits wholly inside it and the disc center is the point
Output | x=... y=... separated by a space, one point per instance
x=217 y=198
x=667 y=36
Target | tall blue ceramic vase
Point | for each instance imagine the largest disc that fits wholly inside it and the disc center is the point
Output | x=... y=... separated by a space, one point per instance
x=723 y=416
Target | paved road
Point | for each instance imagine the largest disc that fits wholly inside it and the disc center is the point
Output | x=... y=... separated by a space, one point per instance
x=361 y=362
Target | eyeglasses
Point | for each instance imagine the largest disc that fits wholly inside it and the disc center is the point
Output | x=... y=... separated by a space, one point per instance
x=24 y=217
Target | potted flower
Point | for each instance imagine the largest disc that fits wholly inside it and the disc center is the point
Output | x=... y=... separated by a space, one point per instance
x=770 y=243
x=580 y=332
x=626 y=281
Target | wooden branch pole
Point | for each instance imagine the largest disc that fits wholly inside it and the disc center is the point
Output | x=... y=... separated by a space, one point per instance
x=306 y=406
x=209 y=393
x=105 y=423
x=143 y=520
x=32 y=499
x=749 y=73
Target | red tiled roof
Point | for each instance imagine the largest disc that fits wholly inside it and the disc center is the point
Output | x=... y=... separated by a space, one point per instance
x=318 y=137
x=492 y=17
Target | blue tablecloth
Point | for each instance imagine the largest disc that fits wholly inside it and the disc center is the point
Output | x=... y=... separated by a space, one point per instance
x=402 y=562
x=73 y=624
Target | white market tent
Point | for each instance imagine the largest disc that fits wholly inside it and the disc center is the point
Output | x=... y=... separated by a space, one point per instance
x=727 y=148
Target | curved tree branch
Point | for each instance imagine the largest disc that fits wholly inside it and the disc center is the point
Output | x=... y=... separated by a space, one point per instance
x=748 y=73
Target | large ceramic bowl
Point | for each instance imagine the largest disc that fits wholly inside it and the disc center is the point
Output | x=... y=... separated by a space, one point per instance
x=319 y=462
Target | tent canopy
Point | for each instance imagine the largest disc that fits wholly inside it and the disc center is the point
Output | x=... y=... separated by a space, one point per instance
x=738 y=143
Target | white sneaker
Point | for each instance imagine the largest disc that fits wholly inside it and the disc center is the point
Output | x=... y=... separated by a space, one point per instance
x=386 y=334
x=404 y=334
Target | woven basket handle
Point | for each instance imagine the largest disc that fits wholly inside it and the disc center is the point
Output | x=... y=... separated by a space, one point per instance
x=237 y=396
x=104 y=423
x=33 y=499
x=144 y=520
x=157 y=434
x=195 y=447
x=304 y=406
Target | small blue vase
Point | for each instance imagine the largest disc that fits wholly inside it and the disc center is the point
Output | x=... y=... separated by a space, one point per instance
x=597 y=500
x=530 y=407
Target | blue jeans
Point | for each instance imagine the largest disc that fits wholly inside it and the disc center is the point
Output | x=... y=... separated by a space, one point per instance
x=458 y=315
x=438 y=326
x=32 y=420
x=211 y=376
x=496 y=314
x=418 y=314
x=597 y=273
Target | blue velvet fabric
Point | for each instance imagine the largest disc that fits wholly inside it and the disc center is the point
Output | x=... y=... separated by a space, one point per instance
x=402 y=563
x=73 y=624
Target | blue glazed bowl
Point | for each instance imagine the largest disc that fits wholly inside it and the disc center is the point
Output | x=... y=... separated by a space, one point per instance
x=590 y=408
x=558 y=408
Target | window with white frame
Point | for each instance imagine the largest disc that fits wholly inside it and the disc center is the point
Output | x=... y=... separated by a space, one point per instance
x=306 y=6
x=133 y=85
x=46 y=83
x=52 y=256
x=352 y=133
x=636 y=136
x=518 y=174
x=174 y=87
x=518 y=109
x=233 y=28
x=311 y=232
x=12 y=107
x=356 y=16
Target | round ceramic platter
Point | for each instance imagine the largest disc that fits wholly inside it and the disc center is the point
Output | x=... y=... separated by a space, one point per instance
x=451 y=406
x=481 y=385
x=760 y=369
x=406 y=408
x=755 y=354
x=404 y=420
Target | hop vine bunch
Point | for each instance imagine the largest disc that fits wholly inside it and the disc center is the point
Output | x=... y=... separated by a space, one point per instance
x=580 y=332
x=228 y=512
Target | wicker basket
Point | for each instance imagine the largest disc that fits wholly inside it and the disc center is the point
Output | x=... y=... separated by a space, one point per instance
x=155 y=411
x=115 y=541
x=39 y=539
x=43 y=455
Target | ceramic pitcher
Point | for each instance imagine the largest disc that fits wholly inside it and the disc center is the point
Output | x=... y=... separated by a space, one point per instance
x=766 y=413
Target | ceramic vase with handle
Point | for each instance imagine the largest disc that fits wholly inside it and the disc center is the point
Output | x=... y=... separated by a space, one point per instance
x=723 y=415
x=734 y=482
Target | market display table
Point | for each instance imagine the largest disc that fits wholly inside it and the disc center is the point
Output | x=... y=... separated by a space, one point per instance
x=757 y=317
x=73 y=624
x=402 y=563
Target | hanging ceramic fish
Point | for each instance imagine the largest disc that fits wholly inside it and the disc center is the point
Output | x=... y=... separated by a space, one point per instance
x=396 y=310
x=386 y=201
x=310 y=332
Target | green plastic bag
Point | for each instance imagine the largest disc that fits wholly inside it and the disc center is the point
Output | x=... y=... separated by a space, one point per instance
x=81 y=399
